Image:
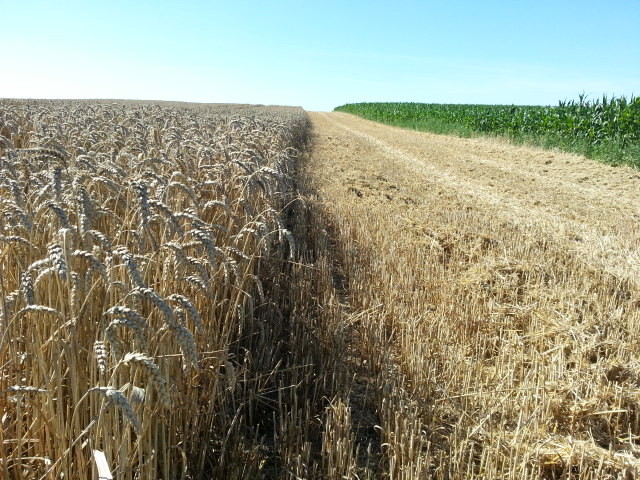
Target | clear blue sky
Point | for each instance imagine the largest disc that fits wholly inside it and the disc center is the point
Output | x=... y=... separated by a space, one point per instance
x=320 y=54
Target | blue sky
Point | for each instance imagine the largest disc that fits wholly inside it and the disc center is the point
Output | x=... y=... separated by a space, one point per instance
x=321 y=54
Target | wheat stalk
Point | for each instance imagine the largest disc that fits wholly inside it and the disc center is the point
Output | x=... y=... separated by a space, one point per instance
x=116 y=398
x=153 y=371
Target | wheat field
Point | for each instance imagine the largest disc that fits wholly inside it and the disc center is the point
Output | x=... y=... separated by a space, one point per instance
x=195 y=291
x=146 y=263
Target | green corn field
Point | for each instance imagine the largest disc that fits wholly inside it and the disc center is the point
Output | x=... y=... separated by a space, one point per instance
x=603 y=128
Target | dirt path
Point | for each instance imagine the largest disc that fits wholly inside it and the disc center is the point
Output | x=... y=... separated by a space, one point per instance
x=592 y=208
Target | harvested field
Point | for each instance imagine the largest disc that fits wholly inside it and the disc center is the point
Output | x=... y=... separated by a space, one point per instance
x=498 y=298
